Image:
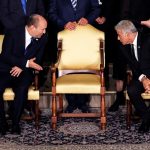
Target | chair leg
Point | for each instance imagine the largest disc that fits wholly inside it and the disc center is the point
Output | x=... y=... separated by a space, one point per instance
x=129 y=111
x=54 y=112
x=37 y=114
x=103 y=113
x=60 y=103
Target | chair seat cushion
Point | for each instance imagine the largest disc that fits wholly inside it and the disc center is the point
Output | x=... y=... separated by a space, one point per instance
x=145 y=95
x=32 y=94
x=78 y=83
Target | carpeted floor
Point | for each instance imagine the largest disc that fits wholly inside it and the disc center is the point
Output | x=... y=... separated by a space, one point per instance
x=76 y=134
x=78 y=147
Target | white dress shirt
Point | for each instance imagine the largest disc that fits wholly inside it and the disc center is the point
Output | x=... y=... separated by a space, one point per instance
x=135 y=47
x=27 y=42
x=27 y=38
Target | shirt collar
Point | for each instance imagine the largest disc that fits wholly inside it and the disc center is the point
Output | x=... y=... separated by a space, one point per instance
x=28 y=36
x=135 y=40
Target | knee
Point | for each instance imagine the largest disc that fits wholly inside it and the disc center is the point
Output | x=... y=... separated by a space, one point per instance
x=134 y=89
x=21 y=90
x=131 y=90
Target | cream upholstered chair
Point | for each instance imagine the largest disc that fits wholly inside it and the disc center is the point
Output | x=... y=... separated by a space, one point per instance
x=33 y=93
x=81 y=49
x=1 y=41
x=145 y=96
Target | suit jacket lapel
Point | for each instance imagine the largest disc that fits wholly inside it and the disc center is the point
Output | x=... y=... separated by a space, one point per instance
x=23 y=40
x=29 y=2
x=68 y=2
x=22 y=11
x=78 y=5
x=31 y=49
x=126 y=50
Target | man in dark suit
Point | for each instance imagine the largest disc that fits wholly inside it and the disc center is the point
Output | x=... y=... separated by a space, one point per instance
x=134 y=11
x=20 y=55
x=138 y=58
x=12 y=14
x=15 y=14
x=66 y=14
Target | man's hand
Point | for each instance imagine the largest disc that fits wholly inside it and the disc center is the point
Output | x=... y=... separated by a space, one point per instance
x=146 y=23
x=83 y=21
x=71 y=26
x=146 y=85
x=34 y=65
x=15 y=71
x=101 y=20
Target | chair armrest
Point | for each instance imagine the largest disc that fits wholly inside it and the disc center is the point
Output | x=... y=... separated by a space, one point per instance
x=53 y=69
x=59 y=46
x=129 y=76
x=36 y=79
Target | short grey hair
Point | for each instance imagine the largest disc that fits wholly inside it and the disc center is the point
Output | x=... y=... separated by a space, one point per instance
x=126 y=26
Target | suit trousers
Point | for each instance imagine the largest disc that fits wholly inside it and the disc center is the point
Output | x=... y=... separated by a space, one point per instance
x=20 y=87
x=134 y=91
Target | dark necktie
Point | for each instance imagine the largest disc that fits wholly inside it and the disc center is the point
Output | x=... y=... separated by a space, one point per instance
x=74 y=4
x=132 y=52
x=23 y=2
x=29 y=46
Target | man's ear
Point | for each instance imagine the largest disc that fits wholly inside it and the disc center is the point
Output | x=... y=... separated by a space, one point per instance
x=32 y=27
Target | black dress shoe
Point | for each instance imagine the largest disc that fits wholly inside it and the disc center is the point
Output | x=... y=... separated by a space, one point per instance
x=70 y=109
x=27 y=115
x=4 y=129
x=120 y=100
x=16 y=130
x=136 y=117
x=114 y=107
x=144 y=127
x=85 y=109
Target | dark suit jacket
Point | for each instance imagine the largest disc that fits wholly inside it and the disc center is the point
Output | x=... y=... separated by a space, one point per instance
x=142 y=66
x=13 y=50
x=61 y=11
x=12 y=15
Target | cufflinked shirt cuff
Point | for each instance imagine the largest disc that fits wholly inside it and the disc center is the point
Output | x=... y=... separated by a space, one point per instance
x=141 y=77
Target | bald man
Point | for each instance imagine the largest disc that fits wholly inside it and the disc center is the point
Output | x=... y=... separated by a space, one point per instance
x=22 y=51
